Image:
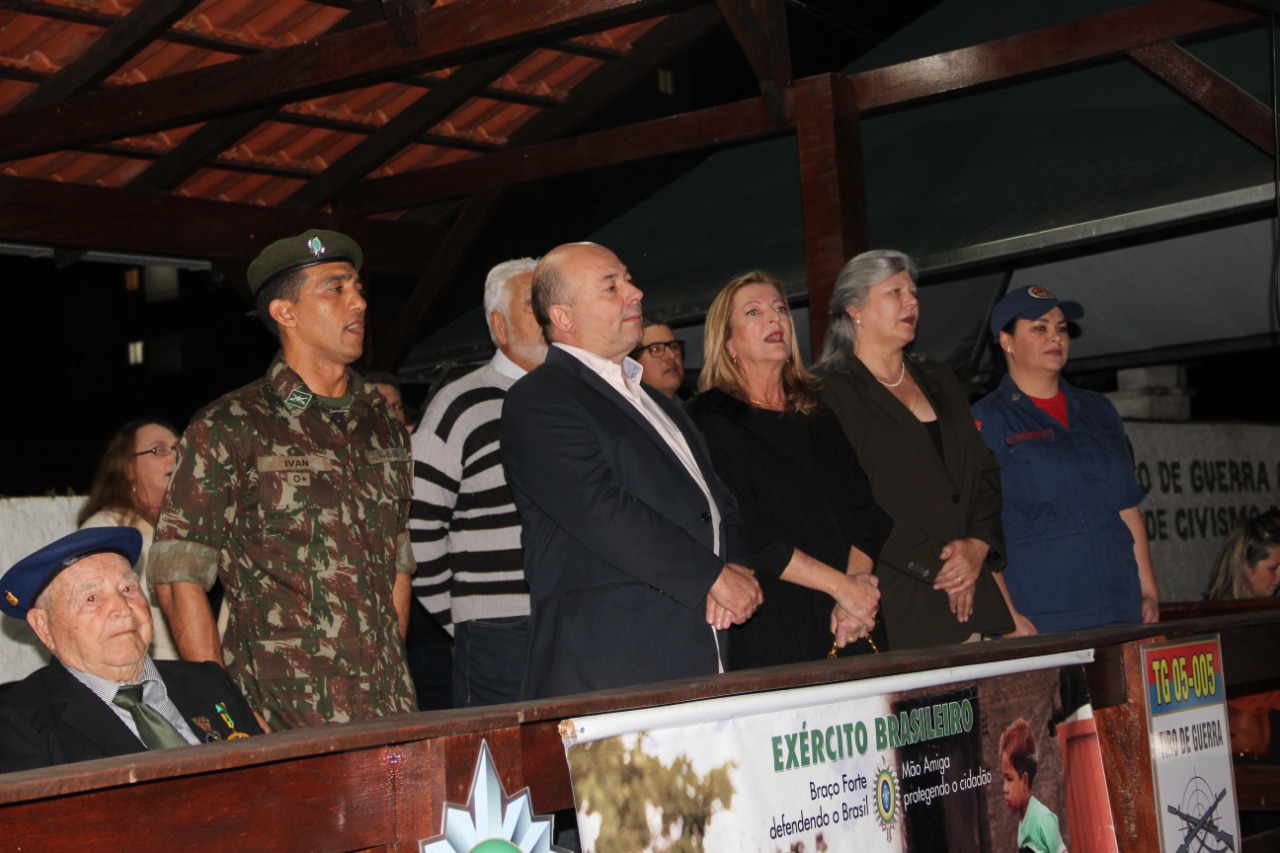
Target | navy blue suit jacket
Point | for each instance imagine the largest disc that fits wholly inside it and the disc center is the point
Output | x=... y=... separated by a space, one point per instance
x=51 y=718
x=617 y=535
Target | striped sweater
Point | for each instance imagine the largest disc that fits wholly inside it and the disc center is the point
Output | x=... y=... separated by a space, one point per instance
x=464 y=526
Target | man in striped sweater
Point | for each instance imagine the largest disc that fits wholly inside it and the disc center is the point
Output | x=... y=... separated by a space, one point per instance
x=464 y=527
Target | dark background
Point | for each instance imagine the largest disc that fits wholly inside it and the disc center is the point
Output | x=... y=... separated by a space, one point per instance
x=70 y=326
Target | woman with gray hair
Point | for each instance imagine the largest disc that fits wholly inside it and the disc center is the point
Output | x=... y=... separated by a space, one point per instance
x=909 y=423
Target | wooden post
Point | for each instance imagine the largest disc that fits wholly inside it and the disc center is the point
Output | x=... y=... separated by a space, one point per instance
x=832 y=186
x=1126 y=750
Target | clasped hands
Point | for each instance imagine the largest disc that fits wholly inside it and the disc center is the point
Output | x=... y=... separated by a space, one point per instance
x=962 y=561
x=857 y=601
x=733 y=597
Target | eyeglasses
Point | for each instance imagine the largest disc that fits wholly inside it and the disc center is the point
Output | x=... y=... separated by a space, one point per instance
x=657 y=348
x=161 y=450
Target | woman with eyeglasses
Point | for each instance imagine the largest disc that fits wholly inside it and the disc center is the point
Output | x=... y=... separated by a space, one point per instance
x=807 y=508
x=126 y=492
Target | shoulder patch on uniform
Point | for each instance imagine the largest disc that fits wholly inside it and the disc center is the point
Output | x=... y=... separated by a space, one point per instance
x=298 y=399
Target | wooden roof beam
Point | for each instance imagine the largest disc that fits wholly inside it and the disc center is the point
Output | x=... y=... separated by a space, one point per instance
x=443 y=265
x=528 y=156
x=723 y=125
x=1211 y=92
x=91 y=17
x=663 y=41
x=1100 y=37
x=402 y=21
x=333 y=63
x=109 y=51
x=760 y=26
x=44 y=213
x=409 y=123
x=209 y=140
x=1088 y=40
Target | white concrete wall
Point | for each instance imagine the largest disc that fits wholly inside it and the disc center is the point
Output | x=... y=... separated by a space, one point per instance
x=27 y=524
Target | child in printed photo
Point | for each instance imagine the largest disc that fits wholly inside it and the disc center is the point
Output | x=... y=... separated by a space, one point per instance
x=1038 y=827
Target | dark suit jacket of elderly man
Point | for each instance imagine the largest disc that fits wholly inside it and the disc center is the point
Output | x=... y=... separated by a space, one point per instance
x=51 y=718
x=617 y=535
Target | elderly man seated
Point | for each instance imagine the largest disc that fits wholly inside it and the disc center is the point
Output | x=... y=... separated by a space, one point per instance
x=103 y=695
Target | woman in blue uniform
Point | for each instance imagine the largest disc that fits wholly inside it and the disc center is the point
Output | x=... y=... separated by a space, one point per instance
x=1077 y=547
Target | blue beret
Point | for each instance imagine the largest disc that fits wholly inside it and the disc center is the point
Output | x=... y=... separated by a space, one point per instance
x=1028 y=303
x=23 y=583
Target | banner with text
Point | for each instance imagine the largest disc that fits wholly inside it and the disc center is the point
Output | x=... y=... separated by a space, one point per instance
x=1190 y=746
x=1201 y=480
x=969 y=758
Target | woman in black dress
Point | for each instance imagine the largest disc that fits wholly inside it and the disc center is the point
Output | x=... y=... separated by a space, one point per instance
x=807 y=506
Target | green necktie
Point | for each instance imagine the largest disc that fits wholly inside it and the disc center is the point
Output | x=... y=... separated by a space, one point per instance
x=154 y=730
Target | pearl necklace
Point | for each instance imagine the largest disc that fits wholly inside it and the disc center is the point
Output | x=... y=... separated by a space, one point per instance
x=901 y=376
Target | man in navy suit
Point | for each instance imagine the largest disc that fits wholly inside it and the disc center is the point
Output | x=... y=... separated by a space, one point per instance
x=631 y=541
x=102 y=695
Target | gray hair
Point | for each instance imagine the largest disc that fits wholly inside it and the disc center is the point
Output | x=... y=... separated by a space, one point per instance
x=857 y=277
x=496 y=282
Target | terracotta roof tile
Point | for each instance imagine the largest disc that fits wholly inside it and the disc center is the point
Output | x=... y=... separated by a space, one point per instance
x=272 y=161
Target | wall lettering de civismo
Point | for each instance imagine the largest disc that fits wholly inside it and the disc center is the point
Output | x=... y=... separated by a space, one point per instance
x=1201 y=480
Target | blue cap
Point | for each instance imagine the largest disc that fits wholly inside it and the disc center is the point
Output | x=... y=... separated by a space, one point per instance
x=1028 y=303
x=22 y=584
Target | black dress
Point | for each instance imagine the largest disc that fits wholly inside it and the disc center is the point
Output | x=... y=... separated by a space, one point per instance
x=799 y=485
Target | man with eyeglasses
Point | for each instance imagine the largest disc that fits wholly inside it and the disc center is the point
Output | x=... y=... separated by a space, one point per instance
x=295 y=491
x=662 y=357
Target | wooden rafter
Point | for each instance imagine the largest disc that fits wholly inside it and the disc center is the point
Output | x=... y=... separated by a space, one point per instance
x=408 y=124
x=663 y=41
x=334 y=63
x=441 y=269
x=78 y=216
x=1211 y=92
x=1099 y=37
x=402 y=21
x=732 y=123
x=84 y=14
x=109 y=51
x=879 y=89
x=760 y=26
x=215 y=136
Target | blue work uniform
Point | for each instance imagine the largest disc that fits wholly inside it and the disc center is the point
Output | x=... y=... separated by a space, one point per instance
x=1071 y=562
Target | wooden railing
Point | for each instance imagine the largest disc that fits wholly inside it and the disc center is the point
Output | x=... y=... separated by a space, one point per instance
x=383 y=784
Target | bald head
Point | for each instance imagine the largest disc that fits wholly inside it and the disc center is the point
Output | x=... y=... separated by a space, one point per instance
x=583 y=297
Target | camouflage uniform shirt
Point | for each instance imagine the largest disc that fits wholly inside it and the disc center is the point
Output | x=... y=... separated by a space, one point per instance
x=300 y=504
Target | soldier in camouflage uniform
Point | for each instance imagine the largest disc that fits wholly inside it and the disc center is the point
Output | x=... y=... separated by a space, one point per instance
x=295 y=491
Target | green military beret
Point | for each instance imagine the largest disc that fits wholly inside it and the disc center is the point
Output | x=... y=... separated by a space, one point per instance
x=306 y=250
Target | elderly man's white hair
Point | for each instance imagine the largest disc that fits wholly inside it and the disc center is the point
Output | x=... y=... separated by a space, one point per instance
x=494 y=284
